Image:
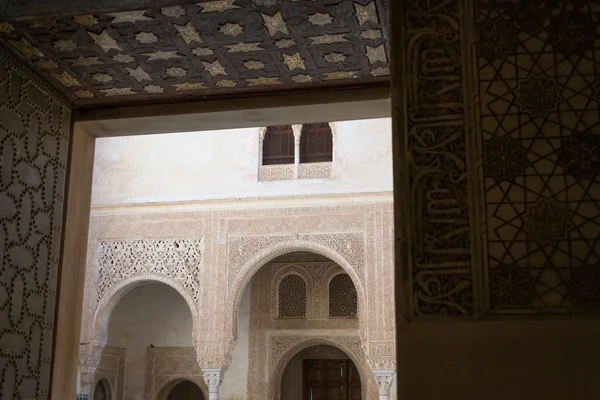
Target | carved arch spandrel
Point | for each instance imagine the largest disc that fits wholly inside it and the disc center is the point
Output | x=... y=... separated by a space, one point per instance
x=261 y=258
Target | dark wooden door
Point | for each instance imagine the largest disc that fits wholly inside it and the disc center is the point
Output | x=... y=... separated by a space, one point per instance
x=331 y=380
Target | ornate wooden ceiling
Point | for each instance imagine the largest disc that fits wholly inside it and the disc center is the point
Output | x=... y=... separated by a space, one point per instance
x=203 y=48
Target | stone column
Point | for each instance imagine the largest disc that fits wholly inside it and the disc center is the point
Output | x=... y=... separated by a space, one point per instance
x=213 y=378
x=261 y=139
x=297 y=133
x=384 y=382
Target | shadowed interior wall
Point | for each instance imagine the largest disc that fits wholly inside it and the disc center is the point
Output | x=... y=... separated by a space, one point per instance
x=34 y=136
x=186 y=390
x=152 y=314
x=497 y=193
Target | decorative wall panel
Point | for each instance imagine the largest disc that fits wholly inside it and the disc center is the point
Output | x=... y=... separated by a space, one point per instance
x=503 y=167
x=112 y=368
x=204 y=47
x=436 y=180
x=292 y=296
x=538 y=68
x=167 y=366
x=179 y=259
x=275 y=341
x=34 y=139
x=342 y=297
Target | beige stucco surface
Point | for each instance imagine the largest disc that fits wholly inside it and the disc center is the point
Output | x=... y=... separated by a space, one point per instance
x=225 y=165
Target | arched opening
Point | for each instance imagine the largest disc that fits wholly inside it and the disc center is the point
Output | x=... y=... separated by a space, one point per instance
x=186 y=390
x=148 y=317
x=278 y=145
x=290 y=293
x=102 y=390
x=320 y=372
x=269 y=255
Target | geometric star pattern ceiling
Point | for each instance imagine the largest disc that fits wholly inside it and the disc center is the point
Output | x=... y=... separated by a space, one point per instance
x=203 y=48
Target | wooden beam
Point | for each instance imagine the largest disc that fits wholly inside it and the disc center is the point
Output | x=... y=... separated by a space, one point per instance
x=265 y=110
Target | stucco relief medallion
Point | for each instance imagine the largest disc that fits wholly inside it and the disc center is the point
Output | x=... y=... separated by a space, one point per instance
x=547 y=221
x=504 y=159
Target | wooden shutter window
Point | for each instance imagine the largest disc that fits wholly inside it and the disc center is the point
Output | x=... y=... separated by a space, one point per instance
x=316 y=143
x=278 y=145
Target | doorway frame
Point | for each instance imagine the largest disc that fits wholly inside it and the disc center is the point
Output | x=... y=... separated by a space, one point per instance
x=201 y=115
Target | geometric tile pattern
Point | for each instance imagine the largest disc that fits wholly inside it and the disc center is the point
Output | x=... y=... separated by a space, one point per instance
x=34 y=133
x=204 y=47
x=538 y=64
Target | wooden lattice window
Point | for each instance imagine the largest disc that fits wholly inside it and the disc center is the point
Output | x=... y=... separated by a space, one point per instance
x=316 y=143
x=278 y=145
x=292 y=296
x=343 y=301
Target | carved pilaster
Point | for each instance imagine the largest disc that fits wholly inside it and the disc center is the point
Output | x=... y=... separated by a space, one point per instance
x=90 y=355
x=213 y=378
x=384 y=383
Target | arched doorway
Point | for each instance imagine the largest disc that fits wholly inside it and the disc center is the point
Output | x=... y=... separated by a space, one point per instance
x=148 y=317
x=321 y=372
x=186 y=390
x=102 y=390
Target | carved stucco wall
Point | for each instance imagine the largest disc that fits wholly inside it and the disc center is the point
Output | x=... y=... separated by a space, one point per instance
x=274 y=341
x=497 y=125
x=357 y=237
x=112 y=369
x=501 y=168
x=166 y=367
x=34 y=137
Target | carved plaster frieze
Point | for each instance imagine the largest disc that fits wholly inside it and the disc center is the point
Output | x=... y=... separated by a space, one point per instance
x=179 y=259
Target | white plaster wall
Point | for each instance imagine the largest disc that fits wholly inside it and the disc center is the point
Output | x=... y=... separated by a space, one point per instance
x=235 y=381
x=150 y=314
x=224 y=165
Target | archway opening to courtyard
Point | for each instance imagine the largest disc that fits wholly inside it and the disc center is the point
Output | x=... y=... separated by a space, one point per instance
x=321 y=372
x=102 y=390
x=185 y=390
x=149 y=317
x=298 y=300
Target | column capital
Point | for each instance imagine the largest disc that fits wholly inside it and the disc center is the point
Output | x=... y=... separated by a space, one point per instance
x=262 y=132
x=213 y=378
x=384 y=382
x=297 y=129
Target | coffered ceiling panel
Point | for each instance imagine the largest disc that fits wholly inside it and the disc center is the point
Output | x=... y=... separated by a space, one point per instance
x=204 y=48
